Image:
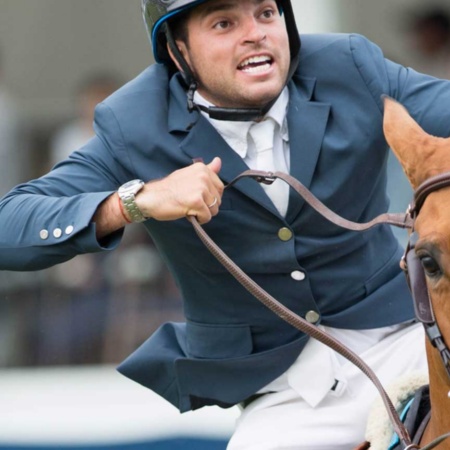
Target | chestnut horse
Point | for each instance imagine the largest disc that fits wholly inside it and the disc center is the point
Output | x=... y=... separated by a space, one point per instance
x=426 y=162
x=422 y=157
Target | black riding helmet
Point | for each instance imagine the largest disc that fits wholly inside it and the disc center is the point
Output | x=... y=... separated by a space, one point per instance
x=157 y=16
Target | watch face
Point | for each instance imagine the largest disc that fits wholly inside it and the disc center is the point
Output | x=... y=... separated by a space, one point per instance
x=133 y=186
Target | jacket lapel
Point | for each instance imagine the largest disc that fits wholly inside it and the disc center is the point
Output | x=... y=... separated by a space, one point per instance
x=307 y=121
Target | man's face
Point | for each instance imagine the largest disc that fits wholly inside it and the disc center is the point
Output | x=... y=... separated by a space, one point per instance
x=238 y=51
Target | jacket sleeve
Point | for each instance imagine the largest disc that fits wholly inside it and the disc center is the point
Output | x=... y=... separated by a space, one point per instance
x=49 y=220
x=425 y=97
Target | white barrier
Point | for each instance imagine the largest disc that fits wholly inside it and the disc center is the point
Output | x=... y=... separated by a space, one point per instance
x=95 y=405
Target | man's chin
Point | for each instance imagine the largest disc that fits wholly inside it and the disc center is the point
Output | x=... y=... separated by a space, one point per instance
x=262 y=100
x=248 y=99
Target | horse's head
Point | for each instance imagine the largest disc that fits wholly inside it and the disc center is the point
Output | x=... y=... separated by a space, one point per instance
x=423 y=156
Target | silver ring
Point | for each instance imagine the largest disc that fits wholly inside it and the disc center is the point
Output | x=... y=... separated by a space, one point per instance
x=213 y=203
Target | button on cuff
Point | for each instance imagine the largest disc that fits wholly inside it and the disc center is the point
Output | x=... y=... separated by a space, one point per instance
x=43 y=234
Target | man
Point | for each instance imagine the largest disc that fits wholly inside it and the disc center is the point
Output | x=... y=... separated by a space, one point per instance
x=229 y=72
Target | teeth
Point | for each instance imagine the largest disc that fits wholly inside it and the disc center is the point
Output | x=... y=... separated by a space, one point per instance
x=254 y=60
x=256 y=69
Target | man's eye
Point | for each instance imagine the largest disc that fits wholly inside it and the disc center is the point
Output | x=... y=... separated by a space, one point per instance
x=268 y=14
x=222 y=25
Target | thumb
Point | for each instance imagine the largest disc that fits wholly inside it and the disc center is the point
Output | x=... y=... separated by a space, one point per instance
x=215 y=165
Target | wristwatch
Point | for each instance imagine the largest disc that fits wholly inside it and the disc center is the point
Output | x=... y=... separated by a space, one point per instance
x=127 y=193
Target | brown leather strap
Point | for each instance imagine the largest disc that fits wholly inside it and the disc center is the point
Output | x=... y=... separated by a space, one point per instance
x=418 y=284
x=426 y=188
x=399 y=220
x=285 y=313
x=363 y=446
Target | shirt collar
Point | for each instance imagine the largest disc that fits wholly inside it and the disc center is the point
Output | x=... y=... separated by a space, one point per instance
x=278 y=113
x=236 y=133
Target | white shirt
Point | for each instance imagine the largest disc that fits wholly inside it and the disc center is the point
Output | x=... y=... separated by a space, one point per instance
x=318 y=368
x=236 y=134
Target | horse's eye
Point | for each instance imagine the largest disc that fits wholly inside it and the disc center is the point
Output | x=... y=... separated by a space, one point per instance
x=430 y=266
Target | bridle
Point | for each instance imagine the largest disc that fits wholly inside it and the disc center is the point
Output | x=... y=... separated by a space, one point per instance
x=414 y=273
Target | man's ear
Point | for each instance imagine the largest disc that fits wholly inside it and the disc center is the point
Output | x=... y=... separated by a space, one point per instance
x=181 y=46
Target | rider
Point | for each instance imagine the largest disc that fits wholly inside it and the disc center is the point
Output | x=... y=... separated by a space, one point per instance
x=231 y=90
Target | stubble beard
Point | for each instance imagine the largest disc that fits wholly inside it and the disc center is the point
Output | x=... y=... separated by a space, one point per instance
x=226 y=95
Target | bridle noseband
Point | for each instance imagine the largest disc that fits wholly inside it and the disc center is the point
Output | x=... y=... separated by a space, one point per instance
x=411 y=264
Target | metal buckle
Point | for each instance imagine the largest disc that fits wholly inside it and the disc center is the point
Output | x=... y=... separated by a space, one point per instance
x=266 y=179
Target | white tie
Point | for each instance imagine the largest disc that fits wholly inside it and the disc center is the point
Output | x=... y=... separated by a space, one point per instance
x=262 y=134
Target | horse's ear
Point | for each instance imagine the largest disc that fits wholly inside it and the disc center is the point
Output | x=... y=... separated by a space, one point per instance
x=420 y=154
x=405 y=138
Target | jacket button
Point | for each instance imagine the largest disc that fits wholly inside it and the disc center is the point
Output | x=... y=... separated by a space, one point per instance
x=57 y=233
x=69 y=229
x=312 y=316
x=43 y=234
x=297 y=275
x=285 y=234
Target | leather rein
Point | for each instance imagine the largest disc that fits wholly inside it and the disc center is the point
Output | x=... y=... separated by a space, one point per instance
x=413 y=271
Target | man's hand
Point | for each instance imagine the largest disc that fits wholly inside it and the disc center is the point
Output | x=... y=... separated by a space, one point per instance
x=192 y=191
x=195 y=190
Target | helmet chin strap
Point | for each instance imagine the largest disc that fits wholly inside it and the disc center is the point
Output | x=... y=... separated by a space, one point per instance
x=229 y=114
x=214 y=112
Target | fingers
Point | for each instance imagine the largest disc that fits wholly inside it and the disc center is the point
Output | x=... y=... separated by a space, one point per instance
x=215 y=165
x=214 y=203
x=204 y=212
x=209 y=205
x=211 y=189
x=203 y=215
x=195 y=190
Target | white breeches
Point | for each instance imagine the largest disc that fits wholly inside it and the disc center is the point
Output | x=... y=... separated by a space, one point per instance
x=285 y=421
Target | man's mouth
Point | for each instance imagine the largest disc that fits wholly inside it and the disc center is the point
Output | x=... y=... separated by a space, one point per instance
x=256 y=64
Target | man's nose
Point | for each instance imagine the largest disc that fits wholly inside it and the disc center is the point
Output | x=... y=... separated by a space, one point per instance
x=253 y=31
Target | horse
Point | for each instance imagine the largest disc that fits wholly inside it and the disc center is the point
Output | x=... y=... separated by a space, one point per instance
x=425 y=160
